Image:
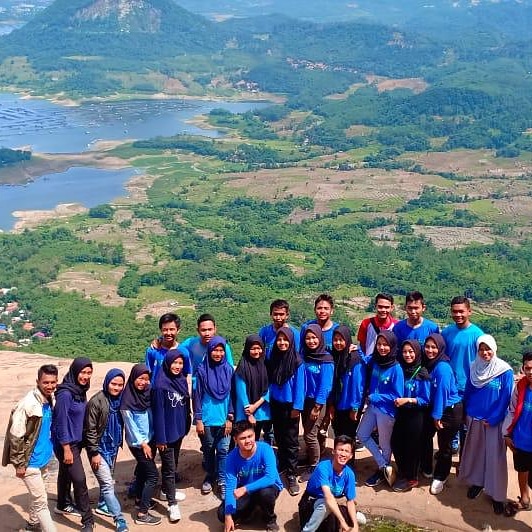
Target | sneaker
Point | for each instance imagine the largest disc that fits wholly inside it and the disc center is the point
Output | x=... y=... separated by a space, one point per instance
x=180 y=496
x=405 y=485
x=102 y=509
x=293 y=486
x=437 y=486
x=305 y=476
x=272 y=526
x=121 y=525
x=376 y=479
x=174 y=513
x=31 y=527
x=147 y=519
x=361 y=518
x=206 y=487
x=474 y=491
x=151 y=506
x=69 y=509
x=389 y=474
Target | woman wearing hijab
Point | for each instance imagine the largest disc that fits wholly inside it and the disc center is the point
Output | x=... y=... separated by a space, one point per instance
x=319 y=374
x=251 y=390
x=487 y=397
x=386 y=384
x=213 y=412
x=411 y=408
x=348 y=385
x=103 y=436
x=171 y=422
x=135 y=407
x=287 y=396
x=444 y=416
x=67 y=436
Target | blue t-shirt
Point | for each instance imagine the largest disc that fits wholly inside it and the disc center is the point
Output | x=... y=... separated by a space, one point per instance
x=403 y=331
x=42 y=452
x=154 y=359
x=269 y=334
x=462 y=350
x=341 y=485
x=521 y=433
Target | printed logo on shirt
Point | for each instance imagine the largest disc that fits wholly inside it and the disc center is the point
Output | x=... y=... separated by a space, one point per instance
x=176 y=399
x=314 y=368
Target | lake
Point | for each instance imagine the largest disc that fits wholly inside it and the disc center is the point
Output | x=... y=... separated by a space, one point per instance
x=47 y=127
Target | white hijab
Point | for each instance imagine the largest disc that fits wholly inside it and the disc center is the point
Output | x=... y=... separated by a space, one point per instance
x=482 y=372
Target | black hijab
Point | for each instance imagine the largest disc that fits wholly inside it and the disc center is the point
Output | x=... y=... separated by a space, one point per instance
x=70 y=381
x=283 y=364
x=320 y=354
x=391 y=358
x=166 y=380
x=253 y=370
x=344 y=359
x=442 y=355
x=414 y=369
x=133 y=399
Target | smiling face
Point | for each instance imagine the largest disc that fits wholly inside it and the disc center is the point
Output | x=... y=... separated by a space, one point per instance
x=47 y=384
x=246 y=441
x=383 y=308
x=323 y=311
x=431 y=349
x=218 y=353
x=255 y=351
x=84 y=376
x=339 y=342
x=461 y=313
x=382 y=346
x=311 y=340
x=116 y=386
x=342 y=453
x=169 y=332
x=176 y=367
x=485 y=352
x=142 y=382
x=409 y=355
x=282 y=342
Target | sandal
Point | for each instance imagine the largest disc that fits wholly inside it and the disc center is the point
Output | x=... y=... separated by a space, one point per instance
x=511 y=508
x=523 y=505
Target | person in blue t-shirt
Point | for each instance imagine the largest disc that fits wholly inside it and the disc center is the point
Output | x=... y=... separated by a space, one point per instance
x=280 y=315
x=28 y=445
x=415 y=326
x=252 y=480
x=195 y=347
x=323 y=308
x=331 y=480
x=517 y=433
x=169 y=325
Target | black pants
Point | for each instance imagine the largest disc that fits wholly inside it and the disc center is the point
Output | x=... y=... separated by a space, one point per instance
x=146 y=477
x=263 y=499
x=407 y=440
x=343 y=425
x=169 y=459
x=452 y=419
x=265 y=427
x=73 y=475
x=329 y=524
x=286 y=430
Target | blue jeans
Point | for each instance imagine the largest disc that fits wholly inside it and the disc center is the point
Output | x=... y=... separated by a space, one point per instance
x=321 y=511
x=384 y=423
x=104 y=475
x=215 y=446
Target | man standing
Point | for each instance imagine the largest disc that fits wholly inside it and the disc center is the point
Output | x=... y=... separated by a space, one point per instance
x=323 y=308
x=280 y=314
x=461 y=340
x=28 y=445
x=195 y=347
x=169 y=325
x=252 y=480
x=382 y=321
x=415 y=327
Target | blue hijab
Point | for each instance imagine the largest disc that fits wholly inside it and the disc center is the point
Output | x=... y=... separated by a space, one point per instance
x=113 y=432
x=215 y=377
x=166 y=380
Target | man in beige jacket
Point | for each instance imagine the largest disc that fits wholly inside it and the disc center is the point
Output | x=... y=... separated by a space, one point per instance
x=28 y=445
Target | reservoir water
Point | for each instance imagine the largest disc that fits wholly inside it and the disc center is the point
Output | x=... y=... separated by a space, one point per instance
x=46 y=127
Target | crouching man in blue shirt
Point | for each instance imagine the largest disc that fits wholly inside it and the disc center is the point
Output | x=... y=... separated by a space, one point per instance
x=331 y=480
x=251 y=480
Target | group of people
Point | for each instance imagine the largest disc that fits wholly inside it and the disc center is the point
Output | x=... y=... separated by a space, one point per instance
x=391 y=391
